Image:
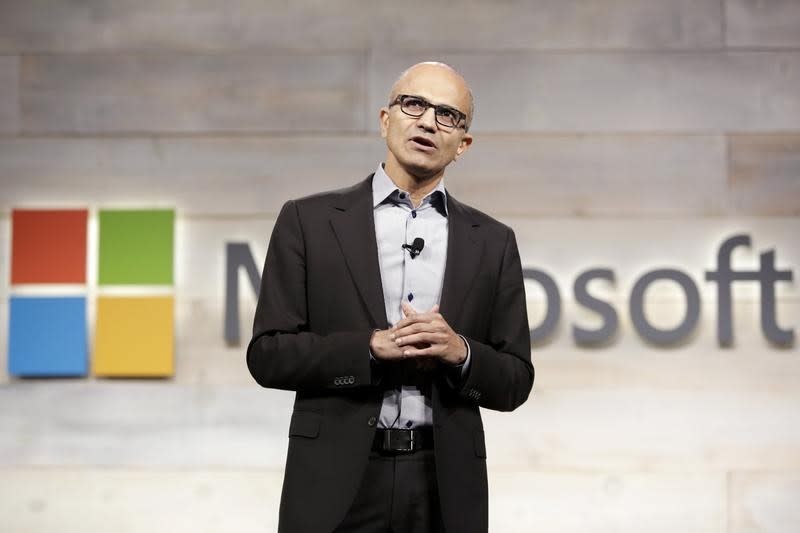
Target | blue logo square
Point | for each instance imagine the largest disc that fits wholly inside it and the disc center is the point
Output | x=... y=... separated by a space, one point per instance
x=47 y=336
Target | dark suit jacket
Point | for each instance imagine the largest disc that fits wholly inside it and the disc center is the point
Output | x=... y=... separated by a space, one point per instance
x=320 y=300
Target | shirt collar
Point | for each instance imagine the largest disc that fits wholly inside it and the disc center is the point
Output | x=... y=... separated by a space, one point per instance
x=383 y=187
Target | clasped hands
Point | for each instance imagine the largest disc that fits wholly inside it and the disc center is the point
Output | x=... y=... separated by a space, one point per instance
x=419 y=335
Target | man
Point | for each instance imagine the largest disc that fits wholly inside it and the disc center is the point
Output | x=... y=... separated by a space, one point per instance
x=394 y=312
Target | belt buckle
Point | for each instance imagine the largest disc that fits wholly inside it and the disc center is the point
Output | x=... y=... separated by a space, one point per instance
x=388 y=441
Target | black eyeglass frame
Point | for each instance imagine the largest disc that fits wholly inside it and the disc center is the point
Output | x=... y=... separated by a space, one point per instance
x=462 y=118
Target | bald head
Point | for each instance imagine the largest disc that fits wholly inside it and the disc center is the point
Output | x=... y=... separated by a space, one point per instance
x=433 y=75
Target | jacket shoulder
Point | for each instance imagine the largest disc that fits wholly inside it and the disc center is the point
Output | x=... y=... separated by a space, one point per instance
x=343 y=195
x=479 y=217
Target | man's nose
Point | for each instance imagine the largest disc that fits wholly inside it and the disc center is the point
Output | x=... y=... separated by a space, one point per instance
x=428 y=119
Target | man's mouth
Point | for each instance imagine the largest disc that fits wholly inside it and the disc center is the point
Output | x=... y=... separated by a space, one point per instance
x=423 y=143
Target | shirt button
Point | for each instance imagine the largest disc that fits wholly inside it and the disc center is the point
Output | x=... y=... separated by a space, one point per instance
x=402 y=196
x=410 y=296
x=414 y=214
x=372 y=420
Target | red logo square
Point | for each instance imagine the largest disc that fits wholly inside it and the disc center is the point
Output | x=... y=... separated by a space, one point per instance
x=48 y=246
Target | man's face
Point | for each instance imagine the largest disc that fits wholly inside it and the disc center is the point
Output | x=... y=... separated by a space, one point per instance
x=420 y=146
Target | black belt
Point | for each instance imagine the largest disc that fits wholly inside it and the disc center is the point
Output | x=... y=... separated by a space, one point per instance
x=403 y=440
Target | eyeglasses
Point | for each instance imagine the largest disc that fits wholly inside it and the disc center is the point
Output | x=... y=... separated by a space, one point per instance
x=416 y=106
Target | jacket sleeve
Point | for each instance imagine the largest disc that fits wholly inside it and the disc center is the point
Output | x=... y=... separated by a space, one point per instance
x=283 y=353
x=500 y=375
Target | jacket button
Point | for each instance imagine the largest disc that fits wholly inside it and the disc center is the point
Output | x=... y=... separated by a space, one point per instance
x=372 y=420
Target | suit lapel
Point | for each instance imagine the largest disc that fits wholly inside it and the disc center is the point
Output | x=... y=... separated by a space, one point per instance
x=353 y=223
x=464 y=251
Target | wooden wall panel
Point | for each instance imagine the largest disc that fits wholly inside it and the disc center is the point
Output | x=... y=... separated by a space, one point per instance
x=618 y=92
x=589 y=502
x=5 y=253
x=645 y=412
x=247 y=500
x=765 y=173
x=309 y=25
x=192 y=93
x=9 y=95
x=628 y=134
x=762 y=23
x=239 y=93
x=764 y=502
x=137 y=423
x=594 y=175
x=72 y=500
x=199 y=176
x=550 y=24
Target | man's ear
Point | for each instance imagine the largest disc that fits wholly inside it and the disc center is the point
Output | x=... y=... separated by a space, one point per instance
x=383 y=118
x=463 y=146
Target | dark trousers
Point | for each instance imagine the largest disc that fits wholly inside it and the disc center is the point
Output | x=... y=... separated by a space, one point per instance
x=398 y=494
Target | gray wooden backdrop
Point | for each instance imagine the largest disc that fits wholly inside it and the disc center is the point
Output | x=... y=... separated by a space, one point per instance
x=624 y=134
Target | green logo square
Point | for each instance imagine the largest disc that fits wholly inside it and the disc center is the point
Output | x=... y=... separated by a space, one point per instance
x=136 y=247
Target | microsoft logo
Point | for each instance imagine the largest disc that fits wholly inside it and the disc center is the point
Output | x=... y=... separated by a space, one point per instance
x=56 y=256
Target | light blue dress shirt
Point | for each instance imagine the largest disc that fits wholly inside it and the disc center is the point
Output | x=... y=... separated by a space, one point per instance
x=417 y=281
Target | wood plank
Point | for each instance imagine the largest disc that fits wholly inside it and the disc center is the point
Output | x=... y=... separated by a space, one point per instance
x=41 y=26
x=38 y=499
x=764 y=172
x=764 y=502
x=593 y=175
x=142 y=423
x=250 y=176
x=203 y=500
x=597 y=502
x=192 y=93
x=618 y=92
x=9 y=94
x=550 y=24
x=760 y=23
x=630 y=425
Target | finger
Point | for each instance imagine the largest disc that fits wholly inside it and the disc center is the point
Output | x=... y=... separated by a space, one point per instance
x=408 y=309
x=417 y=327
x=434 y=309
x=419 y=318
x=425 y=337
x=430 y=351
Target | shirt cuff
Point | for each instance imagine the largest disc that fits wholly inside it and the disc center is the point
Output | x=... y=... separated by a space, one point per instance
x=372 y=357
x=465 y=365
